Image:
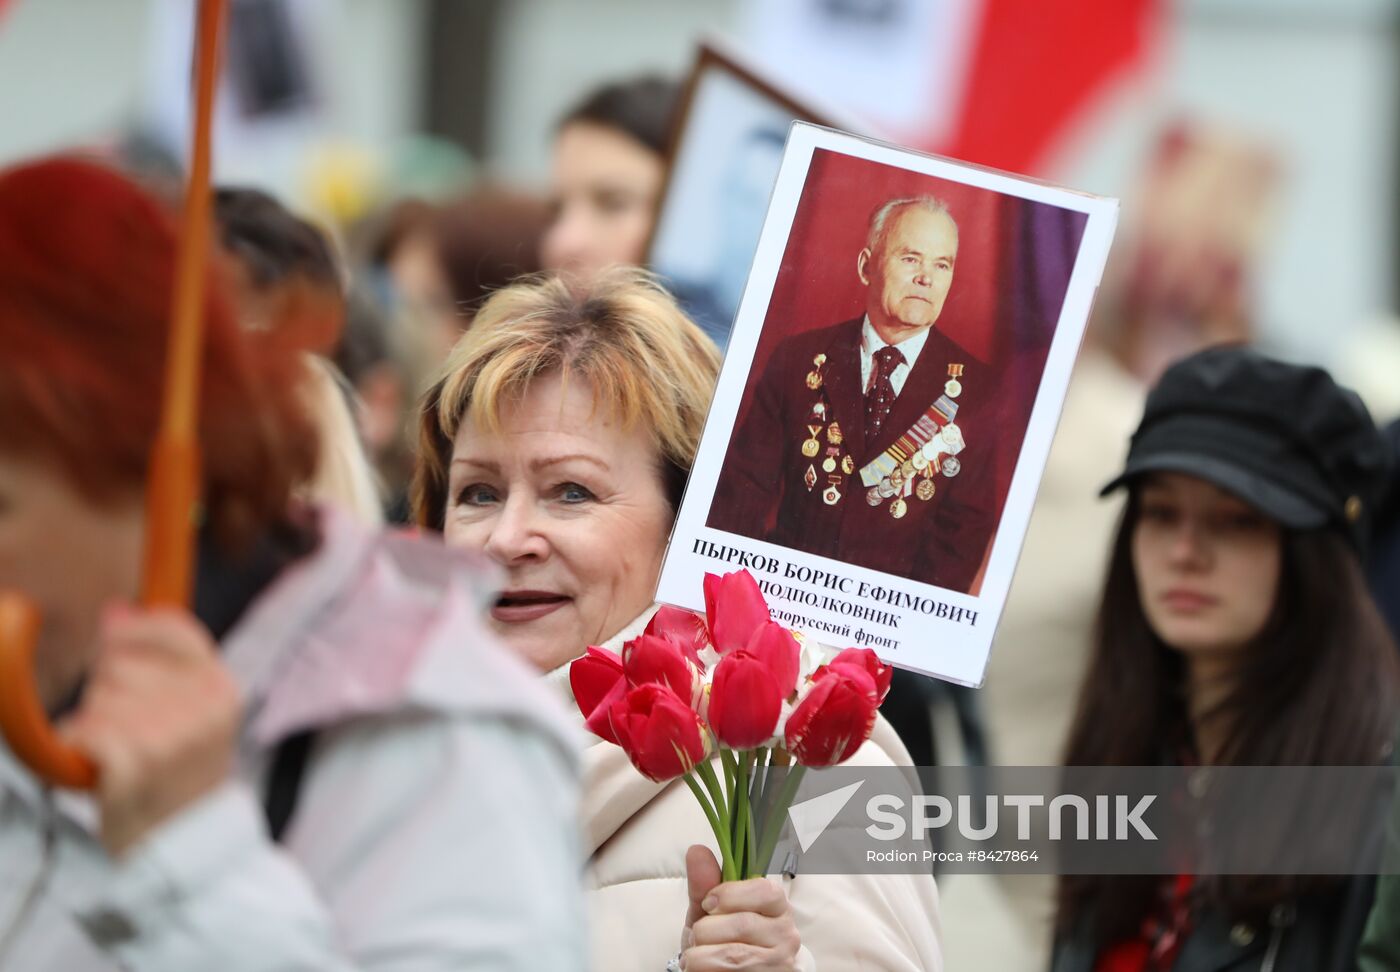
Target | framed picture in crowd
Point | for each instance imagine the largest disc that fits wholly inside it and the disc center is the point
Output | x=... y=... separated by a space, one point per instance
x=725 y=150
x=894 y=377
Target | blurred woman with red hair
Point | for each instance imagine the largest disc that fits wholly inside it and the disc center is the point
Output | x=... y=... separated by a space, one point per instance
x=317 y=765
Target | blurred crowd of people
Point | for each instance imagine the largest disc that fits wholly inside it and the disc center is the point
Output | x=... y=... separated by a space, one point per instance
x=373 y=769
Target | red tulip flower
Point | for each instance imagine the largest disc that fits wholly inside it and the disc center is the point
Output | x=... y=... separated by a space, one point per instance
x=734 y=608
x=648 y=659
x=660 y=733
x=745 y=701
x=869 y=662
x=836 y=717
x=685 y=629
x=597 y=681
x=778 y=650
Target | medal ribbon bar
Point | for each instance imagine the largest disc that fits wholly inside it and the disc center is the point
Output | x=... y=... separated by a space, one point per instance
x=922 y=432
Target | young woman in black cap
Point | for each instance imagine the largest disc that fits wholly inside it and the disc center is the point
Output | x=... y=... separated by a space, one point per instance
x=1235 y=629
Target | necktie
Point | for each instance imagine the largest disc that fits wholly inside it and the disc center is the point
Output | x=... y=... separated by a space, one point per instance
x=879 y=398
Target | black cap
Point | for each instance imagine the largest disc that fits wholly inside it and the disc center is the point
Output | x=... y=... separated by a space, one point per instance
x=1285 y=438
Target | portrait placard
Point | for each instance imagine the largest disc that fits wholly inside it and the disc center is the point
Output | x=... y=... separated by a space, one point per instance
x=723 y=159
x=891 y=389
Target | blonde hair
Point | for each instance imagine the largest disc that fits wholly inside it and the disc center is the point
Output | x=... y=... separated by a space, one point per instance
x=343 y=474
x=620 y=333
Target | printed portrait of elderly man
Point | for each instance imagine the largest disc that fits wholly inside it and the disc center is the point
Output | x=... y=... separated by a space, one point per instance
x=868 y=441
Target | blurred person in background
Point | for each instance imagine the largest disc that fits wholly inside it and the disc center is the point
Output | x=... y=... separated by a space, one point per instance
x=1182 y=277
x=405 y=268
x=485 y=239
x=1384 y=561
x=558 y=445
x=328 y=762
x=378 y=363
x=609 y=162
x=1185 y=269
x=285 y=273
x=428 y=269
x=1235 y=629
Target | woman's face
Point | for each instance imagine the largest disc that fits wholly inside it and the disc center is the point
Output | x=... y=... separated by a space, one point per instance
x=70 y=556
x=605 y=186
x=571 y=505
x=1207 y=564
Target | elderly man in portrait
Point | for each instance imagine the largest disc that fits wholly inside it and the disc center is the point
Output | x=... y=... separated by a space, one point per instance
x=862 y=441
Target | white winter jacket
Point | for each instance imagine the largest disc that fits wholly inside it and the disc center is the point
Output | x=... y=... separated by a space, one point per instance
x=436 y=827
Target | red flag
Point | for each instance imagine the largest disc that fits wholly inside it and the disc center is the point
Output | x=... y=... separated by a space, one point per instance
x=1036 y=64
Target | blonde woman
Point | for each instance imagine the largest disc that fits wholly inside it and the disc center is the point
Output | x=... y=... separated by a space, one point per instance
x=557 y=443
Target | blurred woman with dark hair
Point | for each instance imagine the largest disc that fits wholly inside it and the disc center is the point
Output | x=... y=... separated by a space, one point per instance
x=1235 y=630
x=328 y=763
x=609 y=160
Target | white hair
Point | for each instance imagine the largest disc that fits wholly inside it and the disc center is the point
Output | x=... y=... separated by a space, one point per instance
x=879 y=220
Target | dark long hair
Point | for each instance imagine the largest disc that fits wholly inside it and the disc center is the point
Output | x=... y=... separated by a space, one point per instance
x=643 y=108
x=1317 y=687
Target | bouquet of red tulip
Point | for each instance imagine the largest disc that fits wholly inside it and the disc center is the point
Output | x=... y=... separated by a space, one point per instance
x=740 y=684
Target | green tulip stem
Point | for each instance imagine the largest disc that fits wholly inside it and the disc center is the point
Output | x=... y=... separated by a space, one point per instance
x=743 y=844
x=720 y=829
x=726 y=758
x=774 y=822
x=706 y=772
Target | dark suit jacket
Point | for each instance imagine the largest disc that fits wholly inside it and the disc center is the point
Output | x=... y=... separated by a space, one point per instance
x=763 y=492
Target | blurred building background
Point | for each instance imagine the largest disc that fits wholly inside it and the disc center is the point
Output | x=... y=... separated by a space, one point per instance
x=345 y=90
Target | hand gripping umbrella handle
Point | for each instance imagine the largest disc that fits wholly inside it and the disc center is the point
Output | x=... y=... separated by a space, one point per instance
x=172 y=491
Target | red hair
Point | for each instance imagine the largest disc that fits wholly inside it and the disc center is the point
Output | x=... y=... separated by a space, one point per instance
x=87 y=265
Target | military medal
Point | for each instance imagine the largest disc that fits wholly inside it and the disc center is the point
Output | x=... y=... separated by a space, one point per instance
x=814 y=377
x=919 y=436
x=811 y=478
x=908 y=466
x=953 y=388
x=833 y=434
x=811 y=447
x=829 y=464
x=832 y=495
x=848 y=465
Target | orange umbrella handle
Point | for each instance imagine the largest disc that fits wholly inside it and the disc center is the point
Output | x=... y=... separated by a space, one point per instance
x=26 y=725
x=172 y=492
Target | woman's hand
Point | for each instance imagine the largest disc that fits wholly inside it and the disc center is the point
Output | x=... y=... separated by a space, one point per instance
x=159 y=715
x=740 y=925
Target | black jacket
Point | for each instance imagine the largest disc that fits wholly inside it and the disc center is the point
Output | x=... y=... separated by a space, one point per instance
x=1317 y=934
